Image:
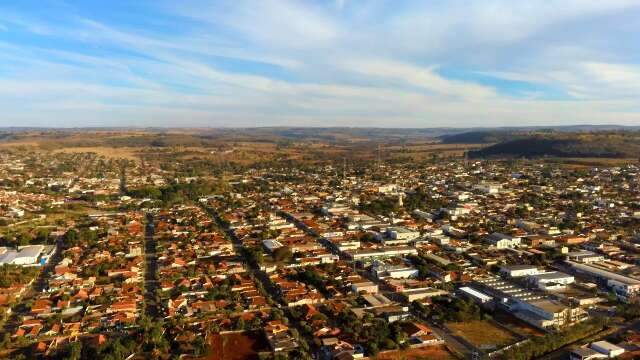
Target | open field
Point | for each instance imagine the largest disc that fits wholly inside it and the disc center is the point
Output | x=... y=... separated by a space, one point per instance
x=425 y=353
x=482 y=334
x=237 y=346
x=252 y=146
x=230 y=147
x=107 y=152
x=516 y=324
x=590 y=162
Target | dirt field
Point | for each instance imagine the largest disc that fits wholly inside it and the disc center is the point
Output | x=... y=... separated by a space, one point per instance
x=108 y=152
x=515 y=323
x=579 y=163
x=237 y=346
x=429 y=352
x=482 y=333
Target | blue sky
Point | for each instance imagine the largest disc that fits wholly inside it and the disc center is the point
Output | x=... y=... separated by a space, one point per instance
x=383 y=63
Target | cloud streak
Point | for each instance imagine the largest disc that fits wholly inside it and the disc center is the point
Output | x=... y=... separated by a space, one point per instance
x=370 y=63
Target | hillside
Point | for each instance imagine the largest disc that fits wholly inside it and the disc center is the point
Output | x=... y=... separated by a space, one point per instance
x=595 y=145
x=476 y=137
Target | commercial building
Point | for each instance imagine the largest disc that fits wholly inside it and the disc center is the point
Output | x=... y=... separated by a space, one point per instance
x=552 y=280
x=514 y=271
x=380 y=252
x=584 y=256
x=475 y=295
x=624 y=286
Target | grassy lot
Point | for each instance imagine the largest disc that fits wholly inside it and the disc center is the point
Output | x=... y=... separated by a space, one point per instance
x=429 y=352
x=237 y=346
x=482 y=334
x=586 y=162
x=516 y=324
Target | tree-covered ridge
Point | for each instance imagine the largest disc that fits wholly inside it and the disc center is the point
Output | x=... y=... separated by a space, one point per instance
x=602 y=145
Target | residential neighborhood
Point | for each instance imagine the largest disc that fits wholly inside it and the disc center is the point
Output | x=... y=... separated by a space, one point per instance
x=449 y=259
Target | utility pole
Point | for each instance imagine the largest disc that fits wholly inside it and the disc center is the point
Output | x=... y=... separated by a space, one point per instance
x=379 y=156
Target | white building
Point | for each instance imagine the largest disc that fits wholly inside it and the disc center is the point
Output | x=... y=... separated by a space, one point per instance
x=402 y=233
x=607 y=348
x=552 y=280
x=547 y=314
x=365 y=286
x=623 y=286
x=272 y=244
x=502 y=241
x=519 y=270
x=489 y=187
x=398 y=235
x=584 y=256
x=476 y=295
x=381 y=252
x=382 y=270
x=28 y=255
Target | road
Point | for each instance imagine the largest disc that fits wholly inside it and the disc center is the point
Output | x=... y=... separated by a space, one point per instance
x=260 y=276
x=255 y=271
x=151 y=283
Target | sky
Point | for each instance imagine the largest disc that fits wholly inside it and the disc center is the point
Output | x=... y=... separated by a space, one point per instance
x=359 y=63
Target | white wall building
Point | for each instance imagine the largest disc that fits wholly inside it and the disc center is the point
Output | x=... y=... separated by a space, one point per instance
x=502 y=241
x=519 y=270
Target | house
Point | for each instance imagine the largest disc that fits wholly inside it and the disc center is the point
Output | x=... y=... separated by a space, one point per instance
x=421 y=335
x=279 y=337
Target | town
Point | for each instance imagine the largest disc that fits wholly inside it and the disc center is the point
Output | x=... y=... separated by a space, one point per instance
x=444 y=258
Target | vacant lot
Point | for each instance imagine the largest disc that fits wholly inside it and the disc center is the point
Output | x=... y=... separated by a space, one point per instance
x=516 y=324
x=586 y=162
x=237 y=346
x=429 y=352
x=482 y=334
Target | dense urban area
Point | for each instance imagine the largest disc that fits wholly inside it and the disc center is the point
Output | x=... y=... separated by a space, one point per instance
x=300 y=251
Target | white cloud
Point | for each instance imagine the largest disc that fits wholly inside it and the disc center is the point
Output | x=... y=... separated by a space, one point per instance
x=370 y=64
x=421 y=77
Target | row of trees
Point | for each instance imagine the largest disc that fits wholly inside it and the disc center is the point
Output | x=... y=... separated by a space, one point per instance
x=179 y=192
x=541 y=345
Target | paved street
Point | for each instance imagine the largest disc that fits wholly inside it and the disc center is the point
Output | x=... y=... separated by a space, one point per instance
x=151 y=284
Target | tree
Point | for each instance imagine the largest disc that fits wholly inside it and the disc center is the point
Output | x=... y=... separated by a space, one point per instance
x=75 y=351
x=372 y=348
x=282 y=254
x=70 y=238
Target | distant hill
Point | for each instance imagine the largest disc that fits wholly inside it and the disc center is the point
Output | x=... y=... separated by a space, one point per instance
x=596 y=145
x=476 y=137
